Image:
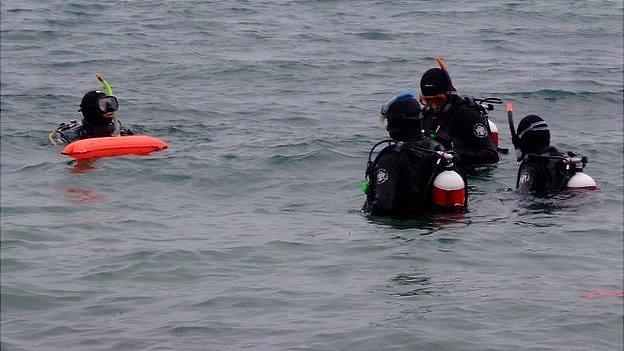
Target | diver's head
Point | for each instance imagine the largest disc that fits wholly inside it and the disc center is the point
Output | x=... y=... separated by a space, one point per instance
x=435 y=87
x=401 y=116
x=97 y=108
x=533 y=135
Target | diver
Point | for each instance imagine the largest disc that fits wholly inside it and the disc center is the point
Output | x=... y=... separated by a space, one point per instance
x=543 y=169
x=99 y=111
x=400 y=179
x=456 y=122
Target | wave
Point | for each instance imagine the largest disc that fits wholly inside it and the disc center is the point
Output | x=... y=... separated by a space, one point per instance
x=613 y=95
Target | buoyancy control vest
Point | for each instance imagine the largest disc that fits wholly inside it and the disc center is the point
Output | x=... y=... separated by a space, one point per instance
x=68 y=132
x=554 y=171
x=443 y=132
x=439 y=179
x=75 y=130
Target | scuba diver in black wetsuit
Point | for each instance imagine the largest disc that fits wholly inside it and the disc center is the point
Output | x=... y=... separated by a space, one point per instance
x=543 y=169
x=99 y=118
x=456 y=122
x=400 y=179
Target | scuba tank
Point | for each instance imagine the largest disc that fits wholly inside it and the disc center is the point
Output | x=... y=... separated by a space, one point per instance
x=485 y=105
x=493 y=132
x=579 y=180
x=449 y=188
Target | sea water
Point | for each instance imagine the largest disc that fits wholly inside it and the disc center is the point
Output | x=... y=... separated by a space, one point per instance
x=247 y=233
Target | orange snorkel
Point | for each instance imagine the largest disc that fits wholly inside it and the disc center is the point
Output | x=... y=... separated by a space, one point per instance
x=442 y=66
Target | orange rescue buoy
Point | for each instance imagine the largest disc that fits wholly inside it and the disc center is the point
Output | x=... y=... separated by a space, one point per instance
x=113 y=146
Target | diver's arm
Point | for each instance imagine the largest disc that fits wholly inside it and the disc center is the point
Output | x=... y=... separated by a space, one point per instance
x=480 y=156
x=472 y=139
x=386 y=178
x=123 y=131
x=527 y=179
x=67 y=133
x=126 y=131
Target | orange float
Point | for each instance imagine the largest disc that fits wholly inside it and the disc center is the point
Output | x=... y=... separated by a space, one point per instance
x=113 y=146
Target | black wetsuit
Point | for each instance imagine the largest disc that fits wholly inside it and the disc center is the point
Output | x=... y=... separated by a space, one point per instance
x=539 y=174
x=461 y=128
x=401 y=177
x=70 y=132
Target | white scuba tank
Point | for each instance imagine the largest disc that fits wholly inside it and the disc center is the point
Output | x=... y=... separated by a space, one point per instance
x=494 y=131
x=581 y=180
x=449 y=190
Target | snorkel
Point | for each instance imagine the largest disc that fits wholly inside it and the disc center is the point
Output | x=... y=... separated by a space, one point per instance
x=512 y=129
x=108 y=90
x=442 y=66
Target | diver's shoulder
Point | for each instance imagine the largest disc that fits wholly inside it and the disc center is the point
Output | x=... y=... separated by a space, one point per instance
x=552 y=151
x=72 y=124
x=67 y=132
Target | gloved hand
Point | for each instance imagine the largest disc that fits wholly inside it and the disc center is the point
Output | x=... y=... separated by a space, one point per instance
x=456 y=157
x=449 y=156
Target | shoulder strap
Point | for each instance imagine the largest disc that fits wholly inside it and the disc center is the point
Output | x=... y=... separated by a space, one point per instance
x=371 y=164
x=66 y=132
x=559 y=173
x=468 y=100
x=558 y=170
x=520 y=168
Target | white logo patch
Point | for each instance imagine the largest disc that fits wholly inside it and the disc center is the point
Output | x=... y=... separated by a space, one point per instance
x=480 y=131
x=382 y=176
x=524 y=178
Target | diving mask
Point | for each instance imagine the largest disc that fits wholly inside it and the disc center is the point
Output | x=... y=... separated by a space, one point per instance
x=108 y=104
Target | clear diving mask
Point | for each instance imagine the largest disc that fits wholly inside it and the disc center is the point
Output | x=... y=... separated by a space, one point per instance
x=383 y=119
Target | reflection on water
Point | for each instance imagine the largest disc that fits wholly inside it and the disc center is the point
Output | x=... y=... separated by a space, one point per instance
x=412 y=284
x=569 y=200
x=82 y=196
x=430 y=223
x=82 y=166
x=602 y=293
x=481 y=173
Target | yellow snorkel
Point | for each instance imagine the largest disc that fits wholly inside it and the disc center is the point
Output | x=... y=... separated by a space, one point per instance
x=108 y=90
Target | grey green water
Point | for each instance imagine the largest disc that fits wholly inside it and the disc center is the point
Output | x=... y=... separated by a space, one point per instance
x=246 y=232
